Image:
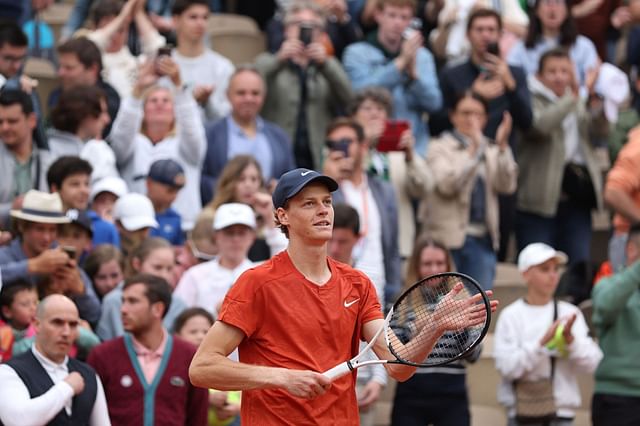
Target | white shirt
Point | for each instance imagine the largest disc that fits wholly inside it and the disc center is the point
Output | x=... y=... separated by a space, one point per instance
x=518 y=353
x=209 y=68
x=367 y=254
x=188 y=145
x=19 y=409
x=102 y=159
x=206 y=284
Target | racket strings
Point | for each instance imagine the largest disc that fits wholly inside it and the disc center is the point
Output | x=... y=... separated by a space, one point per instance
x=415 y=314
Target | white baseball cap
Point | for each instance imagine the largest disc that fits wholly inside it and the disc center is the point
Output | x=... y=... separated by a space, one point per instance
x=135 y=212
x=112 y=184
x=234 y=214
x=538 y=253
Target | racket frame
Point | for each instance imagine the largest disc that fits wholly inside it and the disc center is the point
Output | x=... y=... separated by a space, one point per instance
x=355 y=362
x=472 y=346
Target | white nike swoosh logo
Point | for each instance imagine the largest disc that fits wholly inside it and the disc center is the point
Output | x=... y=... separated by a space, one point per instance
x=306 y=173
x=347 y=304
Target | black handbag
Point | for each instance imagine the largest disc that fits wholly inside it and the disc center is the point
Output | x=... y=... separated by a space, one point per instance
x=578 y=187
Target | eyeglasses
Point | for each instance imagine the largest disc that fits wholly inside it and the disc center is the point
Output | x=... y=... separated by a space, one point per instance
x=13 y=59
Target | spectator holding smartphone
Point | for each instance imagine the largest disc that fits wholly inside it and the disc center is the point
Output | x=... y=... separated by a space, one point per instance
x=305 y=86
x=35 y=257
x=111 y=21
x=376 y=254
x=408 y=172
x=394 y=57
x=502 y=86
x=160 y=122
x=342 y=27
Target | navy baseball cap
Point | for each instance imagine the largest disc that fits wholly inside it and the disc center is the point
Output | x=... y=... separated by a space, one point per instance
x=168 y=172
x=294 y=180
x=80 y=218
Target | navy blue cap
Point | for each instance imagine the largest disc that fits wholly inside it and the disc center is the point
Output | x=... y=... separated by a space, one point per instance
x=294 y=180
x=80 y=218
x=168 y=172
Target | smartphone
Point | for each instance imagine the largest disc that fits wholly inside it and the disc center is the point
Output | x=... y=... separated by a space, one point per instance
x=414 y=26
x=341 y=145
x=390 y=138
x=164 y=50
x=493 y=48
x=306 y=34
x=71 y=251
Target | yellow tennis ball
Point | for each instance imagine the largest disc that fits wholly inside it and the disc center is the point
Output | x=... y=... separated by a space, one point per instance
x=558 y=341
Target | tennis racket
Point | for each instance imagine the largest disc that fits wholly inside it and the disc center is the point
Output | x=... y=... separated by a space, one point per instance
x=453 y=300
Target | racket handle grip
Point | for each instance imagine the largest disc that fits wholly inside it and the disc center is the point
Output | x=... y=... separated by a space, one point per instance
x=338 y=371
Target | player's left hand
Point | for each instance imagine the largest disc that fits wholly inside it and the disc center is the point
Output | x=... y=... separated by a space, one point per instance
x=450 y=310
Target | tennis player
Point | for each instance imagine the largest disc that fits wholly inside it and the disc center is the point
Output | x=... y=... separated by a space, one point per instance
x=294 y=316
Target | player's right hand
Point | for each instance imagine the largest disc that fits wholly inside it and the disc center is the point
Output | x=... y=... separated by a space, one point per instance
x=306 y=384
x=75 y=380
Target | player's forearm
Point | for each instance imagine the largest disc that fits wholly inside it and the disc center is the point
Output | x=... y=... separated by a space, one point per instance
x=215 y=371
x=416 y=350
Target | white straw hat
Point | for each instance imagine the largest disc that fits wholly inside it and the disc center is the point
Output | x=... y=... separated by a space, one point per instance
x=41 y=207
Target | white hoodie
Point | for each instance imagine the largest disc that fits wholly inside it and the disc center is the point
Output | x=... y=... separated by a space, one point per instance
x=518 y=353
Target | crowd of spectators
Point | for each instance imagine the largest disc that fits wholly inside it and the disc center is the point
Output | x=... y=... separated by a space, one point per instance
x=454 y=128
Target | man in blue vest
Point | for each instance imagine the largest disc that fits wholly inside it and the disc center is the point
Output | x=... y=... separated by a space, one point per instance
x=46 y=386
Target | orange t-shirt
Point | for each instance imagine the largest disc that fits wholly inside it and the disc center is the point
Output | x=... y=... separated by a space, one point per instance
x=625 y=176
x=290 y=322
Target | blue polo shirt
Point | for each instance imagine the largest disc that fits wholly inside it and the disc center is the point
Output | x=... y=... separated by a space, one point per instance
x=169 y=227
x=242 y=144
x=103 y=232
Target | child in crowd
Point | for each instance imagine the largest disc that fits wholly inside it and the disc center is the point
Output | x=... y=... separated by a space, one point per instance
x=70 y=177
x=538 y=338
x=76 y=237
x=192 y=325
x=134 y=217
x=105 y=268
x=164 y=181
x=153 y=256
x=199 y=246
x=104 y=194
x=18 y=304
x=206 y=284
